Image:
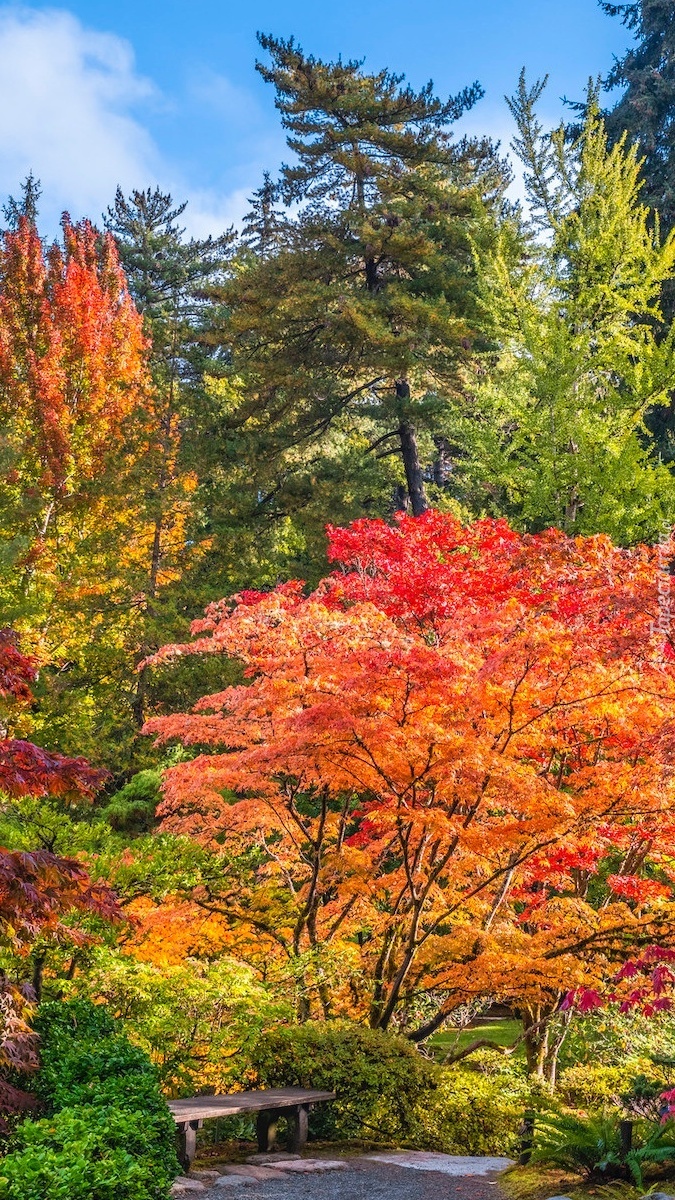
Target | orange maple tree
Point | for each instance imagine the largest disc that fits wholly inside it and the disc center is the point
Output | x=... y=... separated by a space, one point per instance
x=453 y=762
x=73 y=379
x=71 y=353
x=94 y=498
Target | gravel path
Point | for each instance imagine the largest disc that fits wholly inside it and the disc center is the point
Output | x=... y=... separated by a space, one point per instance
x=372 y=1181
x=360 y=1179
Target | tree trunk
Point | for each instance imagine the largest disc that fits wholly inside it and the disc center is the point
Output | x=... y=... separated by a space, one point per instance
x=543 y=1042
x=38 y=972
x=164 y=478
x=138 y=704
x=400 y=498
x=410 y=453
x=424 y=1031
x=303 y=1011
x=413 y=469
x=443 y=463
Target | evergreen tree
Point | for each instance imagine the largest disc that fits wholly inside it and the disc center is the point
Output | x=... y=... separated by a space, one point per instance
x=646 y=110
x=167 y=275
x=360 y=298
x=264 y=223
x=26 y=206
x=557 y=433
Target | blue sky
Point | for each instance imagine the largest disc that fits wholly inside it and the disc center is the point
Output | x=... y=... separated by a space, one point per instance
x=160 y=91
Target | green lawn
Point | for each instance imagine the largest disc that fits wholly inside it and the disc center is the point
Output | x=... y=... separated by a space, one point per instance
x=501 y=1032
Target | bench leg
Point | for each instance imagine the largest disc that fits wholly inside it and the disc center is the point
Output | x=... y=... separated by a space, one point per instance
x=297 y=1128
x=187 y=1143
x=266 y=1128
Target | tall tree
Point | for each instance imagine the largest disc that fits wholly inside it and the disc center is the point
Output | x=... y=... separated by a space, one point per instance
x=77 y=408
x=557 y=433
x=646 y=109
x=167 y=274
x=72 y=373
x=363 y=300
x=646 y=112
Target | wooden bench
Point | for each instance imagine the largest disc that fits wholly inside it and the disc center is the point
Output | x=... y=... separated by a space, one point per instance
x=293 y=1103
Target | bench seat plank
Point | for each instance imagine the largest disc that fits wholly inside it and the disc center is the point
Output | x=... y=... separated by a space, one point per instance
x=201 y=1108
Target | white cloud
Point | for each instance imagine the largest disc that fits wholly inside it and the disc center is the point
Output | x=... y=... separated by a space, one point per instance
x=66 y=100
x=71 y=102
x=209 y=212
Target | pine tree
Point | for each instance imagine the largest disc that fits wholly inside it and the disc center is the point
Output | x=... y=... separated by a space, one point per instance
x=264 y=223
x=26 y=206
x=646 y=111
x=647 y=107
x=363 y=299
x=166 y=272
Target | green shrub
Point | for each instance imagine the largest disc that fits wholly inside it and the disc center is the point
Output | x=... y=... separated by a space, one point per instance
x=87 y=1153
x=475 y=1113
x=77 y=1021
x=132 y=809
x=82 y=1072
x=108 y=1134
x=597 y=1085
x=381 y=1082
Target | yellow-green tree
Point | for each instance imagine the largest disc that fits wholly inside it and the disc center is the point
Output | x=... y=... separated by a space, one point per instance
x=557 y=434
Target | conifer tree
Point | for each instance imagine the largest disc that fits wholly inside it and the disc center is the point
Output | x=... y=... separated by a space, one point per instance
x=26 y=206
x=363 y=299
x=646 y=110
x=557 y=434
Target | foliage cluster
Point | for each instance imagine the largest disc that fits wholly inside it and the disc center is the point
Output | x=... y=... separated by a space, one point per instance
x=425 y=760
x=379 y=1080
x=593 y=1145
x=196 y=1020
x=476 y=1111
x=387 y=1092
x=108 y=1133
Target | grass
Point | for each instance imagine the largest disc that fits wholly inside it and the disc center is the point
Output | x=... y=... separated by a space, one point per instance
x=539 y=1183
x=502 y=1032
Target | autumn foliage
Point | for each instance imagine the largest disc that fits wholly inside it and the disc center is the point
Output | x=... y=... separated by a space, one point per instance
x=73 y=386
x=454 y=759
x=71 y=351
x=38 y=890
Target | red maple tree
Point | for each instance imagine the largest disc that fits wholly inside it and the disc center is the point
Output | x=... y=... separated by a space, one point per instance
x=440 y=755
x=38 y=890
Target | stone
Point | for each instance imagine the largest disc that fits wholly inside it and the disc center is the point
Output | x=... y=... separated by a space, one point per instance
x=225 y=1181
x=561 y=1198
x=259 y=1173
x=271 y=1159
x=182 y=1186
x=658 y=1196
x=306 y=1165
x=446 y=1164
x=206 y=1176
